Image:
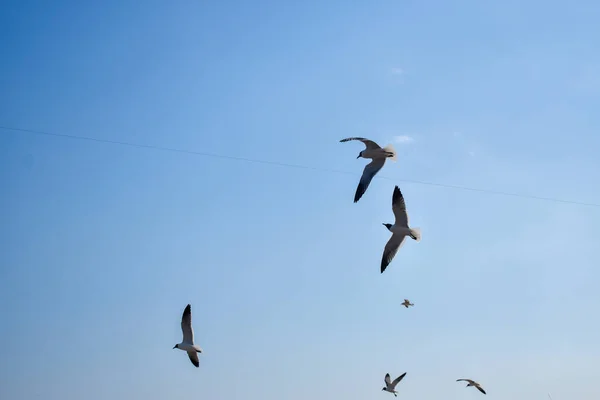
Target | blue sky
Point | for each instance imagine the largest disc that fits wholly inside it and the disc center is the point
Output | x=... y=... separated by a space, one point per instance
x=102 y=246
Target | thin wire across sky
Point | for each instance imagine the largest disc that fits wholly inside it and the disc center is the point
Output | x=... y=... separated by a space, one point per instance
x=287 y=165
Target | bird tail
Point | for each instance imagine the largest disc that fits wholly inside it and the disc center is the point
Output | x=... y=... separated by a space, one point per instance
x=416 y=232
x=390 y=149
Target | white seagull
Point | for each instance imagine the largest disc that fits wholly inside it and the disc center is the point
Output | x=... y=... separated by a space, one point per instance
x=187 y=344
x=378 y=156
x=400 y=230
x=407 y=303
x=472 y=383
x=391 y=386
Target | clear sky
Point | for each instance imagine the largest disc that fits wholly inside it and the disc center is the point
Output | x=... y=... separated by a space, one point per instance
x=103 y=245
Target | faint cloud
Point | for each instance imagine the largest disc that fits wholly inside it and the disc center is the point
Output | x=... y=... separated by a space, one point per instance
x=398 y=74
x=404 y=139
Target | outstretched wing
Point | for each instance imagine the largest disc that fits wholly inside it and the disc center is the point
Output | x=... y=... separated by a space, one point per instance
x=398 y=379
x=186 y=325
x=371 y=145
x=481 y=389
x=369 y=172
x=399 y=208
x=391 y=248
x=466 y=380
x=387 y=379
x=194 y=358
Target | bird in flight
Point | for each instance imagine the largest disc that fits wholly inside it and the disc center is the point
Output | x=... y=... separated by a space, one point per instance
x=407 y=303
x=400 y=229
x=472 y=383
x=391 y=386
x=378 y=156
x=187 y=344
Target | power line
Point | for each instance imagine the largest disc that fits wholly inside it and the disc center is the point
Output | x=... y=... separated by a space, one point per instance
x=288 y=165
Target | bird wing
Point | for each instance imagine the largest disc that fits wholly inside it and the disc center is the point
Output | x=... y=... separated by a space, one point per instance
x=399 y=208
x=186 y=325
x=398 y=379
x=194 y=358
x=391 y=248
x=480 y=389
x=369 y=172
x=466 y=380
x=371 y=145
x=387 y=379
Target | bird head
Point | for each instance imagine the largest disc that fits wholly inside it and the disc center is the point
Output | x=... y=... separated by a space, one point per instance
x=388 y=226
x=383 y=389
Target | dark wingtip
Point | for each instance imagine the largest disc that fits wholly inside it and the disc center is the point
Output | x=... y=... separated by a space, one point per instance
x=359 y=193
x=196 y=363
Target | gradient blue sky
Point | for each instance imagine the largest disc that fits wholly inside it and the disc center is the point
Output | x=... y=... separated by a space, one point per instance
x=102 y=246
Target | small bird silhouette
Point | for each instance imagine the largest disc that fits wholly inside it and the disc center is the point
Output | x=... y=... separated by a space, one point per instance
x=472 y=383
x=407 y=303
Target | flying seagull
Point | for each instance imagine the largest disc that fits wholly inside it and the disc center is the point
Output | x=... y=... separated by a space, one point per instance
x=187 y=344
x=407 y=303
x=400 y=229
x=378 y=156
x=391 y=386
x=472 y=383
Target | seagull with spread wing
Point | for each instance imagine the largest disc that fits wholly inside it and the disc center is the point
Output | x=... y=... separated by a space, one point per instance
x=472 y=383
x=391 y=386
x=407 y=303
x=378 y=156
x=187 y=344
x=400 y=230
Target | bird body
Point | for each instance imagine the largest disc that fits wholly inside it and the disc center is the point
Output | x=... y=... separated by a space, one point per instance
x=407 y=303
x=189 y=347
x=378 y=155
x=401 y=230
x=385 y=152
x=187 y=344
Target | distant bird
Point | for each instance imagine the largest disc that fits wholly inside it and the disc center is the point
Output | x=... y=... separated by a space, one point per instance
x=472 y=383
x=391 y=386
x=187 y=344
x=378 y=156
x=407 y=303
x=399 y=230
